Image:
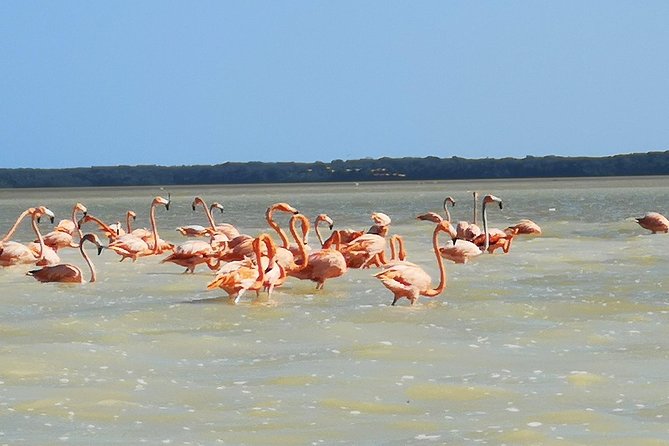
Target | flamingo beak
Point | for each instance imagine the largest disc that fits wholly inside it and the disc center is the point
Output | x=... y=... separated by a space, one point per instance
x=455 y=239
x=85 y=213
x=500 y=205
x=169 y=200
x=39 y=219
x=52 y=219
x=331 y=226
x=193 y=206
x=100 y=249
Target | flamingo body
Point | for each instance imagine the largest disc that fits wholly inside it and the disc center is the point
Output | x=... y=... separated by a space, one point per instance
x=190 y=254
x=654 y=222
x=461 y=252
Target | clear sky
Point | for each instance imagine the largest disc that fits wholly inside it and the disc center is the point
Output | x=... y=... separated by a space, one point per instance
x=203 y=82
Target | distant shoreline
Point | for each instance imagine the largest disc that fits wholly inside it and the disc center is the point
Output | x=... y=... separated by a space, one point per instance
x=340 y=171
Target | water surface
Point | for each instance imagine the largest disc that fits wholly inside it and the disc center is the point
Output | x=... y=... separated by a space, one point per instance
x=562 y=341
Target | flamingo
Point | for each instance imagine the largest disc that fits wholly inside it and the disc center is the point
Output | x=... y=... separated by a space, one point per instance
x=224 y=228
x=66 y=272
x=327 y=263
x=132 y=246
x=112 y=232
x=15 y=226
x=70 y=226
x=194 y=252
x=494 y=238
x=406 y=279
x=526 y=226
x=362 y=251
x=142 y=233
x=461 y=251
x=62 y=235
x=448 y=200
x=284 y=255
x=466 y=230
x=13 y=253
x=322 y=218
x=198 y=230
x=380 y=226
x=237 y=277
x=654 y=222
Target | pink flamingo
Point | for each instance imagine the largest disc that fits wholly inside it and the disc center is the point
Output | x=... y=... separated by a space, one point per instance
x=224 y=228
x=461 y=251
x=112 y=232
x=62 y=236
x=237 y=277
x=448 y=200
x=66 y=272
x=406 y=279
x=131 y=246
x=12 y=253
x=327 y=263
x=195 y=252
x=494 y=238
x=198 y=230
x=654 y=222
x=525 y=226
x=284 y=255
x=466 y=230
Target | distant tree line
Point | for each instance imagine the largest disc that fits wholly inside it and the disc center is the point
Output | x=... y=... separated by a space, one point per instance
x=429 y=168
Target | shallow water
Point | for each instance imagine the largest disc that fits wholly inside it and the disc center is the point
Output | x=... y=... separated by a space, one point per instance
x=562 y=341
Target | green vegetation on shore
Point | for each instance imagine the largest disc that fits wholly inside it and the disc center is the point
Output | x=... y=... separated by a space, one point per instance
x=429 y=168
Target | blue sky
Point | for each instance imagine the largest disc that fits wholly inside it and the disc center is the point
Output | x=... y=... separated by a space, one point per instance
x=174 y=82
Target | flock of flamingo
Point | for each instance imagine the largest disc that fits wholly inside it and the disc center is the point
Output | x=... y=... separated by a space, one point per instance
x=258 y=263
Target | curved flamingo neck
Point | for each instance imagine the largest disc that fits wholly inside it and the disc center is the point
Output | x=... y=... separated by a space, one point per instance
x=101 y=224
x=33 y=223
x=207 y=211
x=210 y=216
x=16 y=224
x=154 y=228
x=263 y=238
x=485 y=226
x=282 y=234
x=476 y=196
x=318 y=232
x=397 y=252
x=300 y=241
x=446 y=211
x=440 y=262
x=128 y=217
x=74 y=220
x=87 y=259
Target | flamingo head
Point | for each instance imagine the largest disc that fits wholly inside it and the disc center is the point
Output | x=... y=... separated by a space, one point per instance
x=93 y=238
x=161 y=200
x=447 y=227
x=283 y=207
x=132 y=215
x=326 y=219
x=217 y=205
x=430 y=216
x=196 y=201
x=44 y=211
x=492 y=199
x=305 y=226
x=450 y=200
x=80 y=207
